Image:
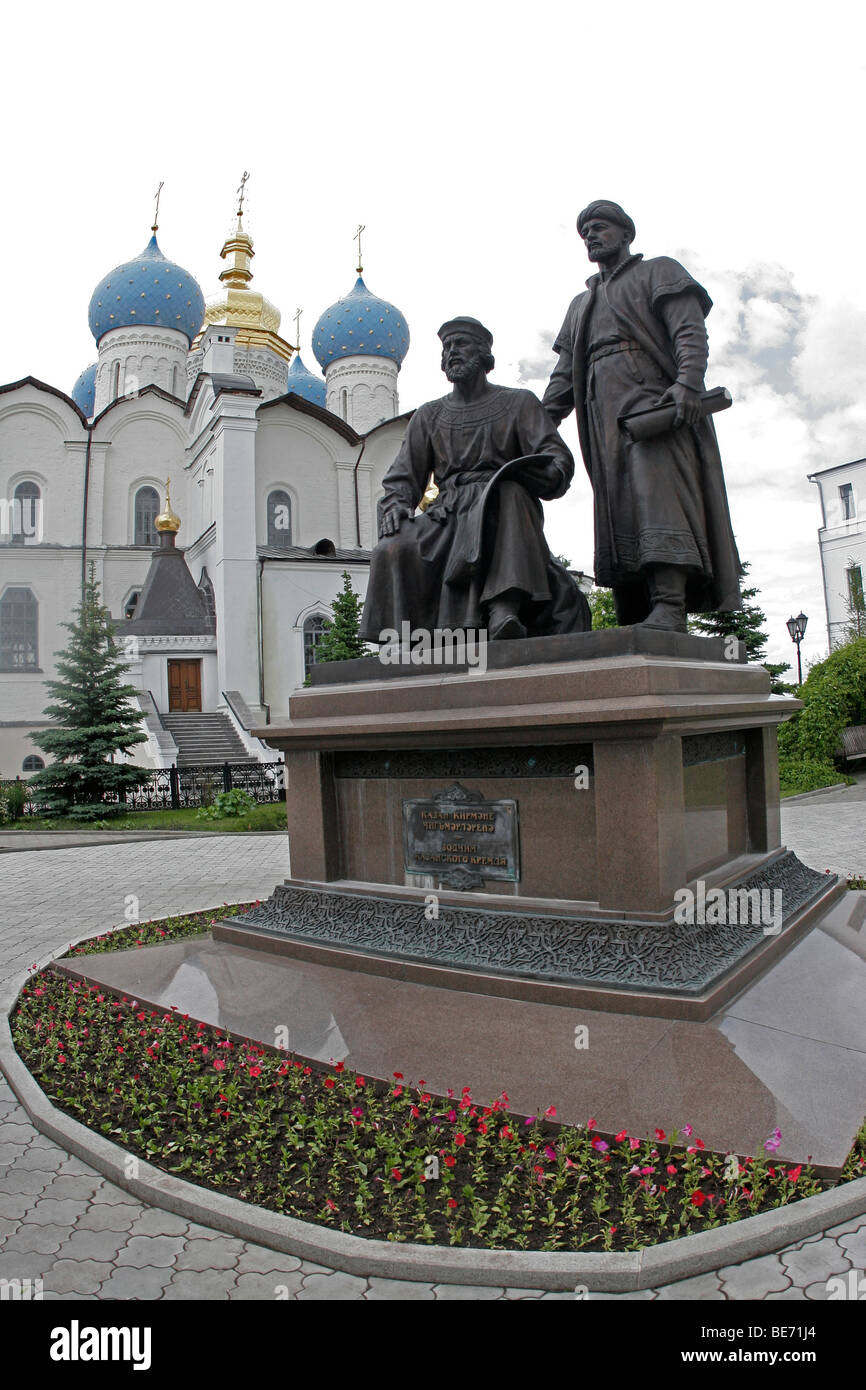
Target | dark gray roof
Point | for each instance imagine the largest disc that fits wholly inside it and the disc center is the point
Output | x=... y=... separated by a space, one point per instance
x=300 y=552
x=171 y=603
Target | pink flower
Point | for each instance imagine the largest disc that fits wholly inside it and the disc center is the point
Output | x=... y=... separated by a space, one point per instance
x=634 y=1144
x=550 y=1112
x=591 y=1124
x=219 y=1065
x=687 y=1131
x=671 y=1168
x=550 y=1151
x=600 y=1145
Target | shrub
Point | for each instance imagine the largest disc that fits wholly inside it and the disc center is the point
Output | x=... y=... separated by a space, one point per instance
x=234 y=803
x=834 y=696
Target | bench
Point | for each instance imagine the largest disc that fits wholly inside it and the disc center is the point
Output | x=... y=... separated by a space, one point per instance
x=852 y=742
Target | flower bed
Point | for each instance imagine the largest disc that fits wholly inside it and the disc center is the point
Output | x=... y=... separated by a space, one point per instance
x=387 y=1160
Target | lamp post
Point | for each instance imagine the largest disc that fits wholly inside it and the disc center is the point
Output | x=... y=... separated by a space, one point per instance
x=797 y=628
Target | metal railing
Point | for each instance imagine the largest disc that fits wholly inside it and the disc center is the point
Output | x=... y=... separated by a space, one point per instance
x=178 y=788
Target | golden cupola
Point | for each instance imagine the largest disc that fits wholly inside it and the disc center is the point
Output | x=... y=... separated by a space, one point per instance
x=255 y=318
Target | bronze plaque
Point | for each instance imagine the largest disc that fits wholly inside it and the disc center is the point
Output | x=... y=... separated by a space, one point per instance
x=461 y=838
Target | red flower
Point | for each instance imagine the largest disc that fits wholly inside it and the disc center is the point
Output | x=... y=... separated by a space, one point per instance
x=623 y=1134
x=360 y=1081
x=460 y=1139
x=660 y=1135
x=397 y=1091
x=398 y=1075
x=396 y=1175
x=482 y=1128
x=450 y=1160
x=591 y=1124
x=698 y=1198
x=339 y=1066
x=218 y=1065
x=255 y=1071
x=332 y=1205
x=794 y=1173
x=451 y=1202
x=415 y=1113
x=330 y=1083
x=550 y=1112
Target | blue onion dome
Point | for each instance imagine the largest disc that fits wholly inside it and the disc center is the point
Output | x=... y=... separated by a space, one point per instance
x=305 y=383
x=149 y=290
x=84 y=390
x=360 y=325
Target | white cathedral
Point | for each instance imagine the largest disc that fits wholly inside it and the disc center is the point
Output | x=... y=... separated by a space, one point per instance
x=274 y=472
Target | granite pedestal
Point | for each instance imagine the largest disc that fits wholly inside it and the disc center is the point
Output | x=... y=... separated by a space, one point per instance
x=638 y=763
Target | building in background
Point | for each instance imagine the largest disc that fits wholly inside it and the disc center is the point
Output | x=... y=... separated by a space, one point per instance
x=274 y=470
x=842 y=541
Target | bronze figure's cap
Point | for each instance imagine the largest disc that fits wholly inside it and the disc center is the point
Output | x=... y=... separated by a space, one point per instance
x=472 y=327
x=612 y=212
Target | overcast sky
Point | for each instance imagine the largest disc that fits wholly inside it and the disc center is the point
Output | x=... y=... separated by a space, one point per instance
x=466 y=137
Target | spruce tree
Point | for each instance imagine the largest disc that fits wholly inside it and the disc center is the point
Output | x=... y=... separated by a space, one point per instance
x=92 y=721
x=746 y=623
x=341 y=638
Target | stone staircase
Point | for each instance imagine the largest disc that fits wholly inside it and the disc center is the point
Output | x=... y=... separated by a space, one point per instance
x=205 y=739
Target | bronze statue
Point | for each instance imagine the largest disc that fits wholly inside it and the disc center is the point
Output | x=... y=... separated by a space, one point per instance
x=633 y=340
x=477 y=557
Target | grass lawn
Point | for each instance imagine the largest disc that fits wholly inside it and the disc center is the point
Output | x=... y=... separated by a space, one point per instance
x=269 y=816
x=382 y=1158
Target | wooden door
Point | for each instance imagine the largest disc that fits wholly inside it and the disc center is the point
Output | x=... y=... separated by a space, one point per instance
x=184 y=685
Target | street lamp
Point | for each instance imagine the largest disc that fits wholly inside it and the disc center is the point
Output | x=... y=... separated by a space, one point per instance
x=797 y=629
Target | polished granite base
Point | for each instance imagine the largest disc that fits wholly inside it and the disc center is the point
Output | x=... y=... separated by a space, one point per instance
x=789 y=1052
x=637 y=966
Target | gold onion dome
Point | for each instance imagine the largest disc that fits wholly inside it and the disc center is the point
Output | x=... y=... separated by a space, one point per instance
x=237 y=306
x=168 y=519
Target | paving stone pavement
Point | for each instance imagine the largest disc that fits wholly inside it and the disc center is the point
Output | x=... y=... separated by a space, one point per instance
x=63 y=1222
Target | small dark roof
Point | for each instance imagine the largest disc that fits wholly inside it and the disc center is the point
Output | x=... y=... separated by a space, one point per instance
x=224 y=383
x=171 y=603
x=300 y=552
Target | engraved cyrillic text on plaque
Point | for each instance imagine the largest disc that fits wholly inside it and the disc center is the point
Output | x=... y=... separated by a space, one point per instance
x=461 y=838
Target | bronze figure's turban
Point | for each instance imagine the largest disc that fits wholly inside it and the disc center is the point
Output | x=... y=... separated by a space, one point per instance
x=611 y=212
x=471 y=327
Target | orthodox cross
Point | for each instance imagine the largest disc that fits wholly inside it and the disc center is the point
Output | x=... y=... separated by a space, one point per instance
x=241 y=191
x=155 y=227
x=298 y=313
x=358 y=239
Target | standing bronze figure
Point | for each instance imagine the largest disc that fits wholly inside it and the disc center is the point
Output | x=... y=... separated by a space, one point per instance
x=634 y=339
x=477 y=557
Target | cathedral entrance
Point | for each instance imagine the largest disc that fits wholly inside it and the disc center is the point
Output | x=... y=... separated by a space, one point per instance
x=184 y=686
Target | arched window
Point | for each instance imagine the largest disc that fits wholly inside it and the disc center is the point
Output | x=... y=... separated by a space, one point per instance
x=207 y=593
x=32 y=763
x=314 y=626
x=146 y=512
x=131 y=604
x=25 y=522
x=279 y=519
x=115 y=381
x=19 y=630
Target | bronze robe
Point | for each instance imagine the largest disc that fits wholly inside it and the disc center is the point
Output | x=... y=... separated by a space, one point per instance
x=660 y=501
x=473 y=543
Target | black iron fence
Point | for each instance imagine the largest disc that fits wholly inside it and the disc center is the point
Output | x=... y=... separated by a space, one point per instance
x=177 y=788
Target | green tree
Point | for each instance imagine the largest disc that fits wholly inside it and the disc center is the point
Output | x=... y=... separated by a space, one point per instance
x=747 y=624
x=341 y=638
x=601 y=606
x=92 y=720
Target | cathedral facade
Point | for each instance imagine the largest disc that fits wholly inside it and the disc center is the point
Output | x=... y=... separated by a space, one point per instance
x=219 y=592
